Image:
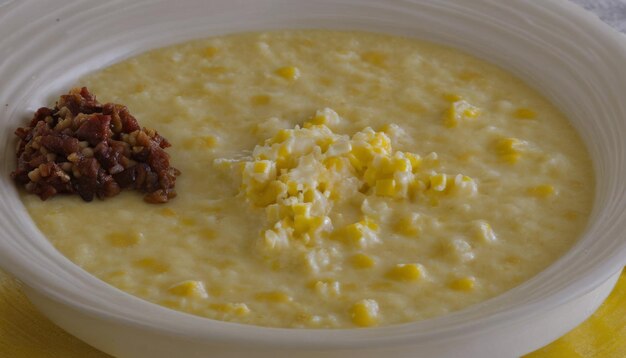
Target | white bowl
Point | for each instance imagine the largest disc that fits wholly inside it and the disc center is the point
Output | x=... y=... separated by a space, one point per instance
x=571 y=57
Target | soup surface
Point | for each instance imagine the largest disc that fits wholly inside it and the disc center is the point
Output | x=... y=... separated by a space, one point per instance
x=331 y=180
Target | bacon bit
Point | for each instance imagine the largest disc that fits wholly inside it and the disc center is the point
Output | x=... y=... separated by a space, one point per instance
x=91 y=149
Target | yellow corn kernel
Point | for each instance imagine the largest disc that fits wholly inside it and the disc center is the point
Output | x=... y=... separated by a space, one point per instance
x=282 y=156
x=364 y=313
x=471 y=112
x=451 y=97
x=450 y=119
x=319 y=119
x=283 y=159
x=116 y=274
x=334 y=195
x=356 y=163
x=375 y=58
x=381 y=141
x=209 y=52
x=313 y=283
x=207 y=233
x=463 y=284
x=387 y=129
x=124 y=239
x=261 y=166
x=274 y=212
x=385 y=187
x=438 y=182
x=406 y=272
x=139 y=87
x=407 y=226
x=308 y=196
x=513 y=260
x=363 y=154
x=189 y=143
x=152 y=264
x=260 y=100
x=326 y=81
x=324 y=143
x=400 y=165
x=511 y=158
x=276 y=265
x=462 y=185
x=208 y=141
x=508 y=145
x=119 y=279
x=167 y=212
x=273 y=296
x=238 y=309
x=469 y=75
x=189 y=288
x=301 y=209
x=383 y=168
x=323 y=186
x=293 y=188
x=370 y=176
x=326 y=287
x=333 y=163
x=282 y=136
x=524 y=113
x=415 y=160
x=457 y=111
x=187 y=221
x=352 y=232
x=216 y=70
x=288 y=72
x=571 y=215
x=509 y=149
x=356 y=233
x=306 y=318
x=266 y=195
x=362 y=261
x=465 y=179
x=465 y=157
x=416 y=187
x=484 y=232
x=303 y=224
x=369 y=223
x=542 y=191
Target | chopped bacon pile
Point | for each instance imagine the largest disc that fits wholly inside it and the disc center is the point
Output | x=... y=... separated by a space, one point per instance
x=92 y=149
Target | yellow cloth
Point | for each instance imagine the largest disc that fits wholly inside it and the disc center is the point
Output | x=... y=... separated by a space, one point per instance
x=25 y=333
x=603 y=335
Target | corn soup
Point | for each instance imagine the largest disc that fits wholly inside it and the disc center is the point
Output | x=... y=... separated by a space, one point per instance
x=331 y=180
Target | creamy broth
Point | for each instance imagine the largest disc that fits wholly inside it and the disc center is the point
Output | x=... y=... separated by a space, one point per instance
x=482 y=183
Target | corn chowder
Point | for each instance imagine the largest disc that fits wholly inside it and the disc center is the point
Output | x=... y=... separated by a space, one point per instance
x=331 y=180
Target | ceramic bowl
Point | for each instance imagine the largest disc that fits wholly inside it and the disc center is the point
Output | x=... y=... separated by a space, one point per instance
x=567 y=54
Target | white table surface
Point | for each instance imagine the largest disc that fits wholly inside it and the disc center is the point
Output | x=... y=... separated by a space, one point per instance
x=612 y=12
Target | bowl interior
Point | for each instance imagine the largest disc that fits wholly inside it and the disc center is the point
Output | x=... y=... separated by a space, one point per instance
x=573 y=59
